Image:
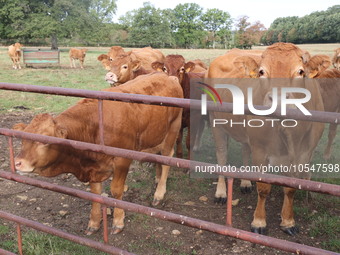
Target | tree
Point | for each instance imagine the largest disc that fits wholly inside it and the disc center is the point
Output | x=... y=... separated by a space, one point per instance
x=242 y=39
x=147 y=26
x=187 y=24
x=26 y=19
x=215 y=21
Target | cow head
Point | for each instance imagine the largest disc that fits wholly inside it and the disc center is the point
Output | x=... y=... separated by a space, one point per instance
x=35 y=156
x=122 y=69
x=83 y=51
x=18 y=46
x=174 y=65
x=104 y=59
x=316 y=65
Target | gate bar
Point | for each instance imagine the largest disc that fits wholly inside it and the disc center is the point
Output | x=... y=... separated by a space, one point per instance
x=62 y=234
x=317 y=116
x=320 y=187
x=168 y=216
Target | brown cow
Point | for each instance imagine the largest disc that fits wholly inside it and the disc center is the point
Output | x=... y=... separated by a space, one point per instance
x=271 y=143
x=14 y=52
x=336 y=59
x=77 y=54
x=330 y=92
x=114 y=52
x=132 y=64
x=175 y=65
x=139 y=127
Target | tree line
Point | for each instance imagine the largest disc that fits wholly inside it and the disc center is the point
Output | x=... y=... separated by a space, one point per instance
x=89 y=23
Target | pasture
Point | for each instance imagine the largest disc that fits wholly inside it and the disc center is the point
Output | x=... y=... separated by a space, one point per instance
x=318 y=216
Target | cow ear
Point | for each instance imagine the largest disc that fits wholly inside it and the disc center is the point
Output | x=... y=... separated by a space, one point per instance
x=136 y=65
x=305 y=57
x=248 y=65
x=60 y=131
x=19 y=126
x=189 y=66
x=158 y=66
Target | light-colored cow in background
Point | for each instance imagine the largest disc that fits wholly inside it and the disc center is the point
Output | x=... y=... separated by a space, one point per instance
x=14 y=52
x=77 y=54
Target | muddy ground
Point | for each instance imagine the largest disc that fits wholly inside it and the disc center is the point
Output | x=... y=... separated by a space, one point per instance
x=143 y=234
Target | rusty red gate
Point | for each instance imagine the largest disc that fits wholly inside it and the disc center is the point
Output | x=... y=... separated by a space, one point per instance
x=227 y=230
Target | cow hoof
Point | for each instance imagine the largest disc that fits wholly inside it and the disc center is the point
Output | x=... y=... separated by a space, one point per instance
x=260 y=230
x=246 y=189
x=89 y=231
x=116 y=230
x=220 y=200
x=156 y=202
x=292 y=231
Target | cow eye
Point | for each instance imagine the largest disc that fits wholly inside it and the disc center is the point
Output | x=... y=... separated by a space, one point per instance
x=301 y=72
x=125 y=66
x=165 y=70
x=182 y=69
x=261 y=72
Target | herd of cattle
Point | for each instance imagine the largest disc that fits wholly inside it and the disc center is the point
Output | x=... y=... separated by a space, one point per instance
x=157 y=129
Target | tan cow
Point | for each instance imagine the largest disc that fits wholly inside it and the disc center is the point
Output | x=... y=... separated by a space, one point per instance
x=79 y=54
x=330 y=91
x=14 y=52
x=336 y=59
x=272 y=144
x=139 y=127
x=114 y=52
x=104 y=59
x=132 y=64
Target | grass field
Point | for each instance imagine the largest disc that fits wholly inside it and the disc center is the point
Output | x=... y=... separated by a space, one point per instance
x=92 y=78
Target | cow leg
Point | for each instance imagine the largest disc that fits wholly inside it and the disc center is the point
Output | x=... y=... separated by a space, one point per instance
x=81 y=64
x=221 y=143
x=259 y=224
x=331 y=136
x=158 y=173
x=287 y=215
x=71 y=63
x=96 y=215
x=121 y=170
x=161 y=186
x=179 y=148
x=245 y=186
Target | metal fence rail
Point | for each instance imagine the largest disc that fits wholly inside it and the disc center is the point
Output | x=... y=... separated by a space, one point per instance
x=180 y=219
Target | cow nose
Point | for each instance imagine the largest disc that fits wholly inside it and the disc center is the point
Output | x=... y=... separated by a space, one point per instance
x=111 y=78
x=17 y=164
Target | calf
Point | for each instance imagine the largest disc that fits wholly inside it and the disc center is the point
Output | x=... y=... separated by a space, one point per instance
x=139 y=127
x=77 y=54
x=14 y=52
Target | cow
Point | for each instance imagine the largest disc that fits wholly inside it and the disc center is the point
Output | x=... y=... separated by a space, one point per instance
x=336 y=59
x=132 y=126
x=77 y=54
x=330 y=91
x=272 y=144
x=128 y=66
x=235 y=64
x=175 y=65
x=14 y=52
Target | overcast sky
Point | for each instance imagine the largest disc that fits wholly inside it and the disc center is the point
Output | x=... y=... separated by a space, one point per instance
x=265 y=11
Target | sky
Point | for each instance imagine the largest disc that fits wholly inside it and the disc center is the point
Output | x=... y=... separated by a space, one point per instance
x=265 y=11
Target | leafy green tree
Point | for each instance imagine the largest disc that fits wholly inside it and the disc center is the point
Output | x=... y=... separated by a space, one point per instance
x=27 y=19
x=187 y=24
x=214 y=21
x=147 y=26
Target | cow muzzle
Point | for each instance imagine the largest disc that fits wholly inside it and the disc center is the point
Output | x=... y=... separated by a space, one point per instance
x=22 y=166
x=111 y=78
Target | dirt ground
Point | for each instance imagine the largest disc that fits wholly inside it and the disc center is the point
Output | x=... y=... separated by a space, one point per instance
x=143 y=234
